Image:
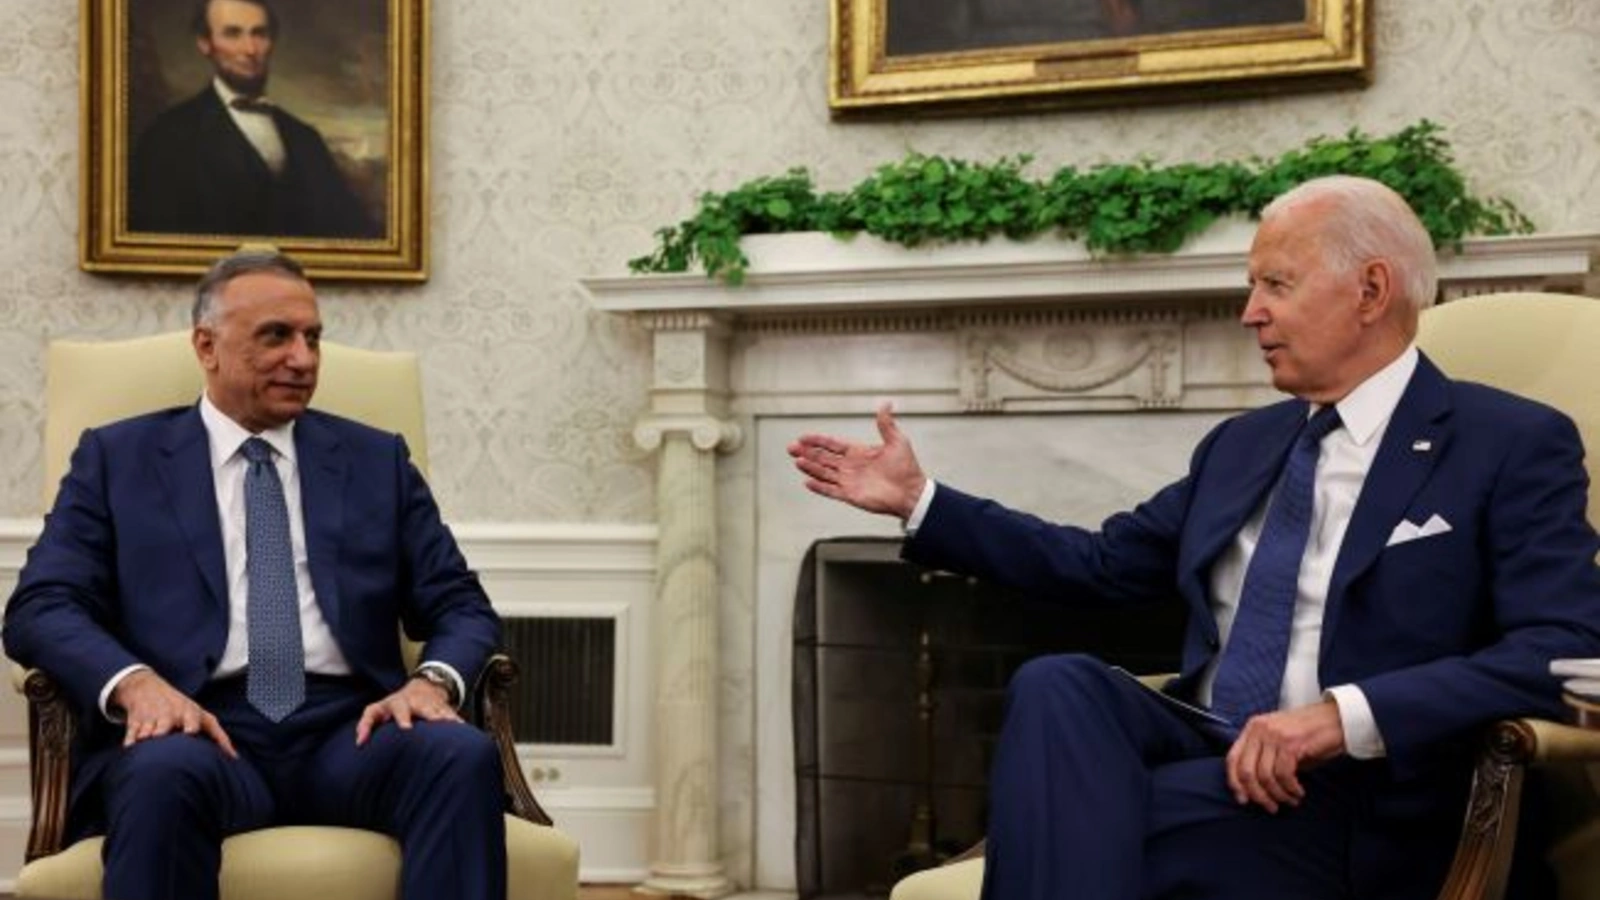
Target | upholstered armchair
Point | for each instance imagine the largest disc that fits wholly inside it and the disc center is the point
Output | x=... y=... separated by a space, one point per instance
x=1547 y=347
x=92 y=383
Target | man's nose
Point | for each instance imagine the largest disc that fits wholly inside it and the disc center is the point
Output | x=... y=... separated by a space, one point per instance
x=1253 y=313
x=302 y=355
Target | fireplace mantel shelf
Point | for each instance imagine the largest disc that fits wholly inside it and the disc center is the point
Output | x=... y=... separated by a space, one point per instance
x=813 y=272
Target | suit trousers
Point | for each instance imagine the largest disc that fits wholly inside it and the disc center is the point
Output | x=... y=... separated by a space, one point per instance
x=1100 y=791
x=170 y=801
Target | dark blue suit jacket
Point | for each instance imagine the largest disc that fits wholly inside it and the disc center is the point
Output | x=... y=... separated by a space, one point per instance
x=1443 y=634
x=130 y=565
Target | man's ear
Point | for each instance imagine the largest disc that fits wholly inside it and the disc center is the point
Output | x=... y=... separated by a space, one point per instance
x=204 y=45
x=204 y=341
x=1377 y=290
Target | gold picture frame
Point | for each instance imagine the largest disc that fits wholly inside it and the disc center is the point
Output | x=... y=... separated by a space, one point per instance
x=915 y=56
x=169 y=179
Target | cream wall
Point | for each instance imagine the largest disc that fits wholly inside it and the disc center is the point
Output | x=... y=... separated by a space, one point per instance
x=565 y=133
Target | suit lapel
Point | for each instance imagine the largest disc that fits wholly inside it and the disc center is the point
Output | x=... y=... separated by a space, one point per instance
x=239 y=155
x=184 y=471
x=1245 y=474
x=1412 y=444
x=1237 y=482
x=322 y=466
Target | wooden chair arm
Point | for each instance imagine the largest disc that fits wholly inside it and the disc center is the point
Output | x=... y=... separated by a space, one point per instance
x=1488 y=836
x=493 y=707
x=50 y=730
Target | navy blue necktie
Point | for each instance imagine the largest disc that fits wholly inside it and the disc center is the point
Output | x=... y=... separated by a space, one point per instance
x=1250 y=675
x=275 y=680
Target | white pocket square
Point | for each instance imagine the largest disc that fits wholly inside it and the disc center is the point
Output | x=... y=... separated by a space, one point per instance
x=1411 y=531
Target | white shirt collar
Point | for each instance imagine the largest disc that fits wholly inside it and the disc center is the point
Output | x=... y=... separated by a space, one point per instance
x=1365 y=410
x=226 y=436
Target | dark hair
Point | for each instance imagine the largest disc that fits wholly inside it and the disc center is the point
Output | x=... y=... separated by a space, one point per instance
x=245 y=261
x=201 y=24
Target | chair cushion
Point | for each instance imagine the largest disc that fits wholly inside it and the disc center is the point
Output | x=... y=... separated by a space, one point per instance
x=305 y=861
x=957 y=881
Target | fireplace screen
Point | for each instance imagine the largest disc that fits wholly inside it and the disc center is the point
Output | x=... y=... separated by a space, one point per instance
x=899 y=682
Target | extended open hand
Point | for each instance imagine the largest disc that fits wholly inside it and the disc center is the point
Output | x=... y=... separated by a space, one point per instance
x=884 y=478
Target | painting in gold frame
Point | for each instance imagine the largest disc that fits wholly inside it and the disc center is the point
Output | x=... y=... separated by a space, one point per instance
x=912 y=56
x=297 y=123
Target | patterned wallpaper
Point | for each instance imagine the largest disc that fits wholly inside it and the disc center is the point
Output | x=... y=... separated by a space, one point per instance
x=565 y=133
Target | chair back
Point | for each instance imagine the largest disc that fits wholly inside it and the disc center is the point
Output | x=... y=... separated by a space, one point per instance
x=1545 y=347
x=1542 y=346
x=91 y=383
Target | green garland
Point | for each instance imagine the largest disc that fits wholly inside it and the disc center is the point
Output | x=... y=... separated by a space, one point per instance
x=1115 y=209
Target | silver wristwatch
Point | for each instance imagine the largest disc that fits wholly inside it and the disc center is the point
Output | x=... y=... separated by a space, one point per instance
x=435 y=676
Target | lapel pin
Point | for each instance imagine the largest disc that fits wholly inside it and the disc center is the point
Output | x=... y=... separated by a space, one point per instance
x=1422 y=446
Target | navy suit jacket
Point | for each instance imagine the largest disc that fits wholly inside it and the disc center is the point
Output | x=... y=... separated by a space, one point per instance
x=194 y=172
x=1442 y=634
x=130 y=569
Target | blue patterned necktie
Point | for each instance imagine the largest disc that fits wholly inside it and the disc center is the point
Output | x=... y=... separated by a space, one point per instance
x=1250 y=675
x=275 y=680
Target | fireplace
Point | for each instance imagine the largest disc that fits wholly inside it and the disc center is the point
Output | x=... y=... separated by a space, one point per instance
x=899 y=684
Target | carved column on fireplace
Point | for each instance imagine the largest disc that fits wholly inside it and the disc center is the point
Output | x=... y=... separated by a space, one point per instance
x=688 y=425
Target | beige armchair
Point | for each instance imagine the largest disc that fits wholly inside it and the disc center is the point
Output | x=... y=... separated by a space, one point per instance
x=93 y=383
x=1547 y=347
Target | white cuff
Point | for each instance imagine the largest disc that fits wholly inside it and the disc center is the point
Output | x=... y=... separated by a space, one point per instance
x=111 y=686
x=454 y=676
x=1361 y=737
x=918 y=512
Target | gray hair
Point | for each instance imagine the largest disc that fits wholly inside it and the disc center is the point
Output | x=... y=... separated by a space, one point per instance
x=1368 y=220
x=245 y=261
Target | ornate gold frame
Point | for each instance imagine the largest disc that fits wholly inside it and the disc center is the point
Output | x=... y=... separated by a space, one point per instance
x=107 y=245
x=1330 y=48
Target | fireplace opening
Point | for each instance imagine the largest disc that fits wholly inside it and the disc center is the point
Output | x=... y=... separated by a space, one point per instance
x=899 y=683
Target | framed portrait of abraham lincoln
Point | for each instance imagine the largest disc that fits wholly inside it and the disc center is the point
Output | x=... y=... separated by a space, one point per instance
x=207 y=124
x=943 y=56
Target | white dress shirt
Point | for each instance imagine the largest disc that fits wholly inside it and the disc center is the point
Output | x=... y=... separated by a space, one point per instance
x=1346 y=456
x=259 y=128
x=228 y=467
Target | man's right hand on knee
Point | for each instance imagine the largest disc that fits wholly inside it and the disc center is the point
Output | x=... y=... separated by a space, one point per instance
x=152 y=708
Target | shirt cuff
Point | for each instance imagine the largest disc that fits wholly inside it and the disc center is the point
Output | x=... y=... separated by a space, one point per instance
x=1361 y=737
x=451 y=673
x=111 y=686
x=920 y=511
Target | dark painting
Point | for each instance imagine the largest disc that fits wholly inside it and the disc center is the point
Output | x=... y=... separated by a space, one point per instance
x=954 y=26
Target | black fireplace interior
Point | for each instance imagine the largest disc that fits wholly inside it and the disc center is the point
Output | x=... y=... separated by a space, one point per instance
x=899 y=681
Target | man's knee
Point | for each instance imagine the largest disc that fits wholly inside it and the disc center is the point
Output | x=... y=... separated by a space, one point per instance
x=451 y=750
x=1057 y=678
x=172 y=768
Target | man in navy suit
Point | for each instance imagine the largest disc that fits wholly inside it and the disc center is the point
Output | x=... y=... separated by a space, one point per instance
x=1446 y=560
x=227 y=160
x=141 y=597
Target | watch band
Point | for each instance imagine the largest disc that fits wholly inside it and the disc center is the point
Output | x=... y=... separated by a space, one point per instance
x=436 y=676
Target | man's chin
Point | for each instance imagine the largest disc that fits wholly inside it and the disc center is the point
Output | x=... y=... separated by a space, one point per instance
x=245 y=85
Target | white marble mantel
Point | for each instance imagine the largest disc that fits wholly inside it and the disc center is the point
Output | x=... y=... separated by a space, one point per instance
x=818 y=335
